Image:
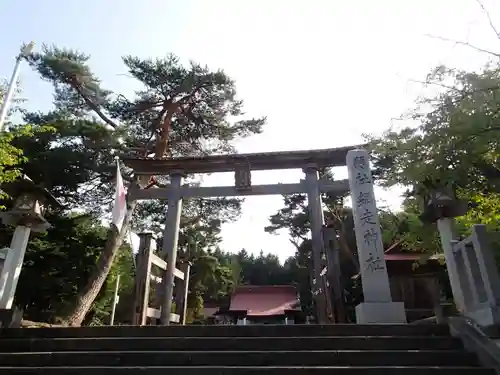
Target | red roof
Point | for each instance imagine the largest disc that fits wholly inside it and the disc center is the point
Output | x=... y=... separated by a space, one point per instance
x=264 y=300
x=411 y=256
x=394 y=252
x=401 y=257
x=407 y=256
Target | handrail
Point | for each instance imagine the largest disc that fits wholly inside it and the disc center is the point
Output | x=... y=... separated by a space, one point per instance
x=476 y=340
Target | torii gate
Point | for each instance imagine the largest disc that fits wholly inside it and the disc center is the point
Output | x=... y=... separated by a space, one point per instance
x=242 y=165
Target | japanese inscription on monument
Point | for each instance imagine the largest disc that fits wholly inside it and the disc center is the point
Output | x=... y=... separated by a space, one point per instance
x=377 y=305
x=365 y=213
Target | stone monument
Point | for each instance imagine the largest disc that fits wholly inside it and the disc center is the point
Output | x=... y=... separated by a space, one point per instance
x=378 y=306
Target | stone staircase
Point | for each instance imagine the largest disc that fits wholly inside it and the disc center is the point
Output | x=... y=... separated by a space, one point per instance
x=238 y=350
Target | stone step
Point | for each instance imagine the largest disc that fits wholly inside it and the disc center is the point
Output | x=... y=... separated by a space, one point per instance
x=232 y=331
x=230 y=343
x=242 y=358
x=228 y=370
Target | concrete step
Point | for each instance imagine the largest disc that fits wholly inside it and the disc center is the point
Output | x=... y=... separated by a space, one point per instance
x=228 y=370
x=242 y=358
x=232 y=331
x=229 y=343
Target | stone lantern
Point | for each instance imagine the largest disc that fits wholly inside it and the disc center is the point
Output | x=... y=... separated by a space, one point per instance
x=30 y=203
x=26 y=215
x=441 y=206
x=441 y=202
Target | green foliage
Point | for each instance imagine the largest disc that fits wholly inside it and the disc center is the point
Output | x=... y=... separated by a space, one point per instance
x=204 y=102
x=210 y=281
x=455 y=137
x=294 y=217
x=11 y=156
x=264 y=269
x=486 y=211
x=178 y=110
x=451 y=138
x=405 y=229
x=63 y=159
x=101 y=309
x=57 y=264
x=207 y=102
x=93 y=124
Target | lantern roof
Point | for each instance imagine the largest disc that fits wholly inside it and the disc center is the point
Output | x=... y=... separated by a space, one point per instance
x=25 y=185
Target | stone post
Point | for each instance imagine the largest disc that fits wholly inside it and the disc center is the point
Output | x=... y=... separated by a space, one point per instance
x=143 y=278
x=378 y=306
x=441 y=206
x=26 y=216
x=186 y=269
x=334 y=273
x=446 y=229
x=170 y=241
x=487 y=264
x=181 y=292
x=9 y=276
x=317 y=220
x=479 y=278
x=116 y=298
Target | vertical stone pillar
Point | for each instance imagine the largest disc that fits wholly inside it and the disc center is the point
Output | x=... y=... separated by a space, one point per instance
x=11 y=270
x=181 y=292
x=170 y=241
x=186 y=269
x=481 y=290
x=487 y=264
x=116 y=298
x=317 y=220
x=377 y=306
x=457 y=279
x=142 y=278
x=178 y=294
x=334 y=273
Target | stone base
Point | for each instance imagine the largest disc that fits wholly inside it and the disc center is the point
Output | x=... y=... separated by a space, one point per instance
x=381 y=313
x=11 y=318
x=485 y=316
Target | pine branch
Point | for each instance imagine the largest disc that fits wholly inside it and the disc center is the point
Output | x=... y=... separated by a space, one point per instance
x=467 y=44
x=488 y=16
x=94 y=106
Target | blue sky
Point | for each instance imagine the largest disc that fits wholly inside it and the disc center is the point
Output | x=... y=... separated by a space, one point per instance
x=323 y=71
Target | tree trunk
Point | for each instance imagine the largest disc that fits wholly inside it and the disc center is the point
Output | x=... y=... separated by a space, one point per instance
x=86 y=297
